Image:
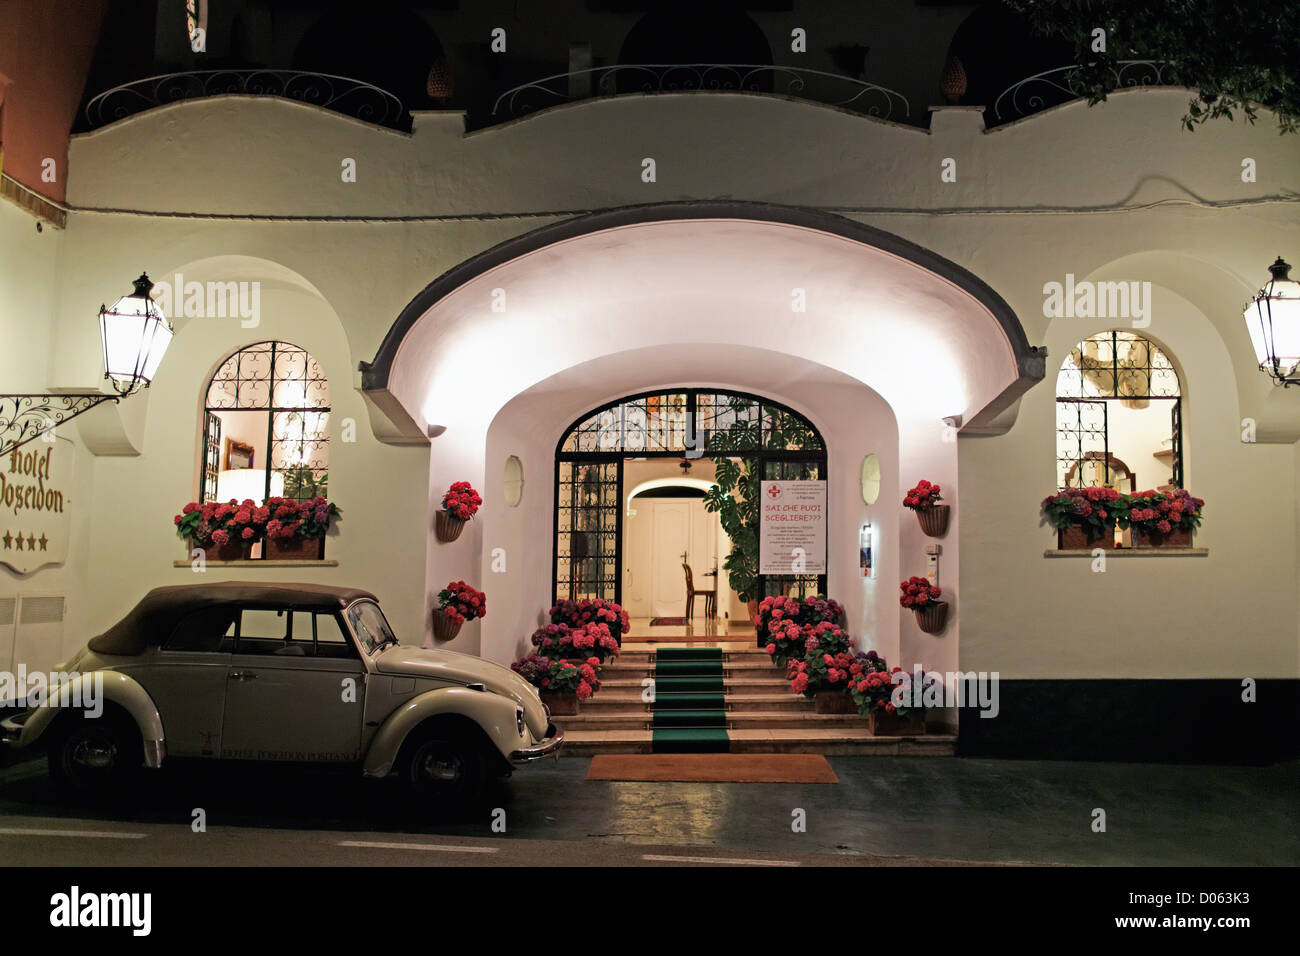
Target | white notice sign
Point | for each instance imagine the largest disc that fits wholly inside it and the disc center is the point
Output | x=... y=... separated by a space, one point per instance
x=792 y=531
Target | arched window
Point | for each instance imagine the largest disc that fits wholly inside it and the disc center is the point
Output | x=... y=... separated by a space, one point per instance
x=1119 y=416
x=688 y=423
x=266 y=426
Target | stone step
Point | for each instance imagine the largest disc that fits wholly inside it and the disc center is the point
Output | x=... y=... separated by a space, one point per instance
x=831 y=741
x=735 y=685
x=647 y=669
x=623 y=702
x=738 y=720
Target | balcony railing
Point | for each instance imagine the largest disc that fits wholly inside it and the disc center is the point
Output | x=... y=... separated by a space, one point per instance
x=338 y=93
x=1060 y=85
x=642 y=78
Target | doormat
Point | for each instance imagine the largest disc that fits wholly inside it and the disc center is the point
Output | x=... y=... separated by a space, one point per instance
x=712 y=768
x=667 y=621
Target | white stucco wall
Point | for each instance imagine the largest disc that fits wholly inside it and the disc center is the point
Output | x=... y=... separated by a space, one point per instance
x=1114 y=191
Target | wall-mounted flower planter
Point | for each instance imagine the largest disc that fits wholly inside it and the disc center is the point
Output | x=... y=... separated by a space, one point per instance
x=561 y=705
x=1078 y=538
x=444 y=628
x=884 y=724
x=295 y=548
x=1154 y=539
x=448 y=526
x=933 y=520
x=833 y=702
x=933 y=618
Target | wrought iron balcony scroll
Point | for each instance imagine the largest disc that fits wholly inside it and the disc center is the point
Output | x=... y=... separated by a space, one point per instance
x=25 y=418
x=1061 y=84
x=341 y=94
x=832 y=89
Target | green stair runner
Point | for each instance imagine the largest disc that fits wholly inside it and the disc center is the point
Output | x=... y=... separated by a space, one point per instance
x=689 y=713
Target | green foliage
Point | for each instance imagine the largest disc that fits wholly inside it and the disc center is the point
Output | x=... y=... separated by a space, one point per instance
x=301 y=484
x=735 y=495
x=1236 y=56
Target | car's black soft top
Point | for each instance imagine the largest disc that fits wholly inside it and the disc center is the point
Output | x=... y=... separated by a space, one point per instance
x=155 y=617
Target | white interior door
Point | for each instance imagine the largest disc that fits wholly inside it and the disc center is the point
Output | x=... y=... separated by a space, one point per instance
x=638 y=558
x=672 y=539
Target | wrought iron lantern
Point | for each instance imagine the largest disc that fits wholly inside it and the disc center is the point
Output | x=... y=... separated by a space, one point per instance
x=135 y=335
x=1273 y=320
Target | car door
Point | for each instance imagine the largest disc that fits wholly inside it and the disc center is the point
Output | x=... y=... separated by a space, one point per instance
x=295 y=689
x=186 y=677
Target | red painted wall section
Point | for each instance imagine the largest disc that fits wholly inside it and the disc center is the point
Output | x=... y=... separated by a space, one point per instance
x=46 y=48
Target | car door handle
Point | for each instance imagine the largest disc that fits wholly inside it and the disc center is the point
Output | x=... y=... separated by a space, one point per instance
x=242 y=675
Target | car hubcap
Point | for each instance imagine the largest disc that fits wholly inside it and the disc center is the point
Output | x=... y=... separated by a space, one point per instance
x=93 y=754
x=438 y=765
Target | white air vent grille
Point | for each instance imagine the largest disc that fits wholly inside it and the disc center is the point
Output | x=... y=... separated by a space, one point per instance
x=7 y=606
x=42 y=610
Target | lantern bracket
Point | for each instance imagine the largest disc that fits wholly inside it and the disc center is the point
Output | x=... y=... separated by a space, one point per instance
x=25 y=418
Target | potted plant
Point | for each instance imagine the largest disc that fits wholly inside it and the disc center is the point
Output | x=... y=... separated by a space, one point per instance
x=592 y=610
x=1163 y=519
x=562 y=684
x=823 y=673
x=459 y=504
x=922 y=597
x=458 y=602
x=781 y=623
x=225 y=531
x=1085 y=518
x=590 y=640
x=296 y=529
x=884 y=697
x=924 y=500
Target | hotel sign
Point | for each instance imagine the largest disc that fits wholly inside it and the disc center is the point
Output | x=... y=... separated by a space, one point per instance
x=792 y=530
x=34 y=518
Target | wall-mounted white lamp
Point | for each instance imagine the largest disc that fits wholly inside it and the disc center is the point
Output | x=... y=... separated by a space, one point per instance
x=866 y=555
x=433 y=431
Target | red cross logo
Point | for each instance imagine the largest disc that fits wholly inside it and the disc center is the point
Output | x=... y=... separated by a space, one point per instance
x=774 y=491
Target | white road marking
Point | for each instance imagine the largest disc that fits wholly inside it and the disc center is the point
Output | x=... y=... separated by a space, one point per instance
x=89 y=834
x=717 y=859
x=420 y=846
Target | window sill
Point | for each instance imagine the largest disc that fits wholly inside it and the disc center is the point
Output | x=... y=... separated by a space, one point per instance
x=1131 y=553
x=262 y=563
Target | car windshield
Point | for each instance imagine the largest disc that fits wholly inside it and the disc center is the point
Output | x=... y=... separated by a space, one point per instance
x=369 y=625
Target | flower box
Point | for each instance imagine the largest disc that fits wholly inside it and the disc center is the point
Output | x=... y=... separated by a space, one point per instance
x=833 y=702
x=447 y=526
x=230 y=551
x=881 y=723
x=934 y=520
x=932 y=618
x=561 y=705
x=296 y=548
x=444 y=627
x=1177 y=538
x=1078 y=537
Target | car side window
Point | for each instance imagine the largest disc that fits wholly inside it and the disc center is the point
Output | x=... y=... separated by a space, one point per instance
x=292 y=633
x=209 y=630
x=330 y=639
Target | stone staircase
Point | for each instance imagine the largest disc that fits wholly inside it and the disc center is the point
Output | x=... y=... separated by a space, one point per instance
x=762 y=714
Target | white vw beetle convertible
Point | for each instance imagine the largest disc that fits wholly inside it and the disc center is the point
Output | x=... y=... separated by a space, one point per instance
x=282 y=672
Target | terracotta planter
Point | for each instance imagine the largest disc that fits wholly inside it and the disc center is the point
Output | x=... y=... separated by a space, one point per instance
x=884 y=724
x=561 y=705
x=444 y=629
x=833 y=702
x=230 y=551
x=934 y=520
x=448 y=526
x=296 y=548
x=1076 y=538
x=752 y=607
x=1154 y=539
x=932 y=619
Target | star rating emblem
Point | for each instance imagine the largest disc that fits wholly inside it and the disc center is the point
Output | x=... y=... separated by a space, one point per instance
x=44 y=541
x=8 y=540
x=31 y=542
x=19 y=539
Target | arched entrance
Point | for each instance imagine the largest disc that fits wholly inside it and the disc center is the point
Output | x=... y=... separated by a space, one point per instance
x=763 y=438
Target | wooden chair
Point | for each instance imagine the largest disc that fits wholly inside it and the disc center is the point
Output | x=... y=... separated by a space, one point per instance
x=710 y=596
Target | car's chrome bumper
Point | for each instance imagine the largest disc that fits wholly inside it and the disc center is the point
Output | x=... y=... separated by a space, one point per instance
x=548 y=746
x=11 y=729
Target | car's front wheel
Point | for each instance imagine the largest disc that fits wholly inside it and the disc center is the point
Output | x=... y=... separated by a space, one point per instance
x=445 y=769
x=95 y=757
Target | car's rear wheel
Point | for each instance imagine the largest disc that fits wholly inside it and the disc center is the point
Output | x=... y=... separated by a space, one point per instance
x=95 y=757
x=445 y=769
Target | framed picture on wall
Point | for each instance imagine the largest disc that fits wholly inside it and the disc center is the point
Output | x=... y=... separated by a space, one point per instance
x=238 y=455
